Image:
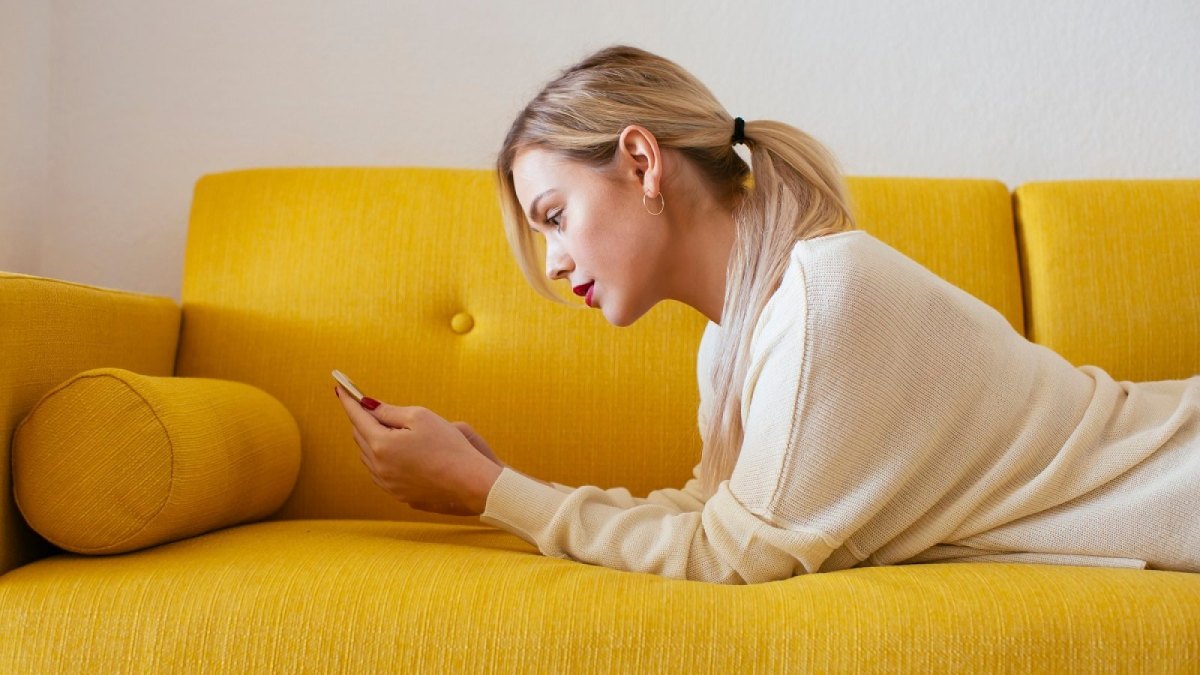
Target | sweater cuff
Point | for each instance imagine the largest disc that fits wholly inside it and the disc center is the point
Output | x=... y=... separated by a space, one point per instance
x=521 y=505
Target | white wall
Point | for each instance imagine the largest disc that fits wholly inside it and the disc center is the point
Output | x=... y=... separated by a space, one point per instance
x=145 y=96
x=24 y=132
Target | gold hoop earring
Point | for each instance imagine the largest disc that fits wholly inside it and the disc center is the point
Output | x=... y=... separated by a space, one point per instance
x=664 y=202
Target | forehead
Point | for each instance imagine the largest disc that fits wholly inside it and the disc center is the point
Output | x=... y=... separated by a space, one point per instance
x=535 y=170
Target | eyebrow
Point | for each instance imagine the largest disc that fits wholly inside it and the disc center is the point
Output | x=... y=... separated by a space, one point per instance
x=534 y=205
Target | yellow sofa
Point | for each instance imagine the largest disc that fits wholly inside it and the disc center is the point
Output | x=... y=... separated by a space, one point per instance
x=401 y=278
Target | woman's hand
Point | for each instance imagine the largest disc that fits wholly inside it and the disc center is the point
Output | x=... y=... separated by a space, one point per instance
x=477 y=441
x=421 y=459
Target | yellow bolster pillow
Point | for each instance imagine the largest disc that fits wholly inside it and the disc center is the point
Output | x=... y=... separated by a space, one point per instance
x=112 y=461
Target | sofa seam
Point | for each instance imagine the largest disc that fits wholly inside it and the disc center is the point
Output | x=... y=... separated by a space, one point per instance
x=171 y=448
x=16 y=276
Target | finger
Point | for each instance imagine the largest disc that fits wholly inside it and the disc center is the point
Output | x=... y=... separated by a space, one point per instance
x=365 y=452
x=359 y=416
x=385 y=415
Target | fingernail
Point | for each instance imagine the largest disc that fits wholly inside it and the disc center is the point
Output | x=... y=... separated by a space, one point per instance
x=369 y=403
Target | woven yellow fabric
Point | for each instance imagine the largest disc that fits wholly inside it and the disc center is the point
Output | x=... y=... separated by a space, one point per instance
x=51 y=330
x=376 y=597
x=402 y=278
x=112 y=461
x=1112 y=278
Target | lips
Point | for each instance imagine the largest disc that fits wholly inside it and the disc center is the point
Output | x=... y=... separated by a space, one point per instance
x=582 y=289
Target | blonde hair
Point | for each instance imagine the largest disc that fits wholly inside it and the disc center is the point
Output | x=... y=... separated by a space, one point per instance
x=796 y=191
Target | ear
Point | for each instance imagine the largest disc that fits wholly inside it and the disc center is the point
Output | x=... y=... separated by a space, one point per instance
x=640 y=159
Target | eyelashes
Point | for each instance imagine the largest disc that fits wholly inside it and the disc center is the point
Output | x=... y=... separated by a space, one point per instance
x=550 y=221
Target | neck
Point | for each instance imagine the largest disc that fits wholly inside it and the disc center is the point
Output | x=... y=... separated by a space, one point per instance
x=706 y=246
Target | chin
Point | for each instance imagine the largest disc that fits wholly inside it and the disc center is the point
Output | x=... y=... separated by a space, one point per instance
x=620 y=318
x=620 y=323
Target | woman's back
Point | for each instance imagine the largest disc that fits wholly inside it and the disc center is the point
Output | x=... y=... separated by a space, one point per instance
x=907 y=421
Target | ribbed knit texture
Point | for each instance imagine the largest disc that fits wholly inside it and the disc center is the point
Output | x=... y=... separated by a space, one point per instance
x=892 y=417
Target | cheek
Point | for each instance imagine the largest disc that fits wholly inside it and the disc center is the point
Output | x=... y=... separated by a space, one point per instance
x=612 y=246
x=607 y=257
x=626 y=267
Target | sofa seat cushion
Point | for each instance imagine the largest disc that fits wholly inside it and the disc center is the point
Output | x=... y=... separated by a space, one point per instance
x=374 y=596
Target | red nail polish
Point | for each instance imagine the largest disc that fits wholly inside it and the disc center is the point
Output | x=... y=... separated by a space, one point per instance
x=369 y=403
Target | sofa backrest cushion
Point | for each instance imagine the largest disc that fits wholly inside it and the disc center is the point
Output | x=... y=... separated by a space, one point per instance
x=1112 y=273
x=402 y=279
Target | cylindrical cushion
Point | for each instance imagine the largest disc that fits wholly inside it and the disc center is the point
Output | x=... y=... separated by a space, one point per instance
x=112 y=461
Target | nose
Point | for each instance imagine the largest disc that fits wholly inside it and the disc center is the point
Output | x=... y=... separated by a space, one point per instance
x=556 y=267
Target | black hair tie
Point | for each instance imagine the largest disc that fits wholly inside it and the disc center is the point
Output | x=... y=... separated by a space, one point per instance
x=739 y=130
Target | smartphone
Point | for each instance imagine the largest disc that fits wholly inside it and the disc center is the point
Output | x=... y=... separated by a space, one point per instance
x=347 y=385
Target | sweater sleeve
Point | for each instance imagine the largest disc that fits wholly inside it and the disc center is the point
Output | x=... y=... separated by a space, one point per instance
x=721 y=543
x=689 y=498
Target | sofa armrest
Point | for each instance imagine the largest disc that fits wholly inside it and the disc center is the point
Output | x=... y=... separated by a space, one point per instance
x=51 y=330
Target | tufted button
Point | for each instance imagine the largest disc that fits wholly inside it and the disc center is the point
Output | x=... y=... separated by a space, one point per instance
x=462 y=323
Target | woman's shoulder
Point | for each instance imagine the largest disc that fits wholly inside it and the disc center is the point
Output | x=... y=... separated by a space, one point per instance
x=828 y=266
x=856 y=262
x=841 y=247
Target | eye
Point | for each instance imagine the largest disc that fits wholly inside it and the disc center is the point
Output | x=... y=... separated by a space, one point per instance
x=550 y=220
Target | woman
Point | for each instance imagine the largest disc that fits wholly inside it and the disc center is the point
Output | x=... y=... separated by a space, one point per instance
x=856 y=409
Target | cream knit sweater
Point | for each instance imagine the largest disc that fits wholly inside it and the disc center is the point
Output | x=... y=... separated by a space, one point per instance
x=891 y=417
